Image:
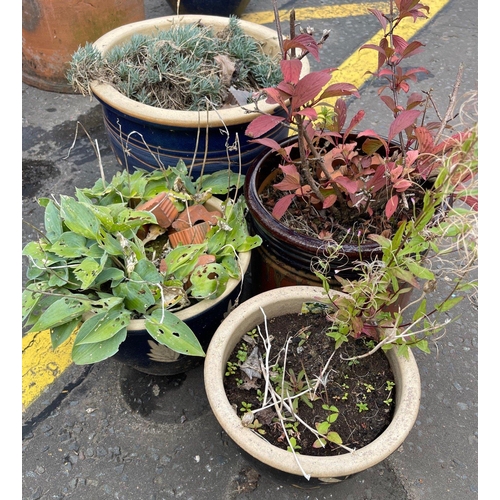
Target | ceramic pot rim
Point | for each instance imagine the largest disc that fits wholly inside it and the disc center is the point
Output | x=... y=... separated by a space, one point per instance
x=281 y=301
x=216 y=118
x=280 y=231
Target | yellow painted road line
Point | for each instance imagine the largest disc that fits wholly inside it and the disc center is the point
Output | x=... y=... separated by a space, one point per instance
x=307 y=13
x=354 y=68
x=41 y=365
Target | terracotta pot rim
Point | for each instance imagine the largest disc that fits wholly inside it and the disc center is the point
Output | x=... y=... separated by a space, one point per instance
x=230 y=116
x=278 y=302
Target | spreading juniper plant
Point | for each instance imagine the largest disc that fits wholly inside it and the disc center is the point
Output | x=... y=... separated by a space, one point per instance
x=180 y=68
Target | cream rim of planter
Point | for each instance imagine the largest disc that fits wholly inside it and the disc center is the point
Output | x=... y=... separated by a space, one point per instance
x=203 y=305
x=228 y=116
x=278 y=302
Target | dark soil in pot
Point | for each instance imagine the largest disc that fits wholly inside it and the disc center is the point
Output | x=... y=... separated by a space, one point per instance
x=361 y=391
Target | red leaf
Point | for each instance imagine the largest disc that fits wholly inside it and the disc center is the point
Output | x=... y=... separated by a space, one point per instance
x=400 y=43
x=339 y=89
x=262 y=124
x=425 y=140
x=282 y=206
x=270 y=143
x=389 y=102
x=291 y=180
x=381 y=19
x=310 y=113
x=412 y=49
x=291 y=69
x=304 y=42
x=392 y=204
x=329 y=201
x=350 y=185
x=404 y=120
x=354 y=122
x=402 y=185
x=309 y=87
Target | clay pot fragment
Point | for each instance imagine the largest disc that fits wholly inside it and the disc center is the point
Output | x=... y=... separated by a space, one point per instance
x=162 y=208
x=191 y=235
x=194 y=214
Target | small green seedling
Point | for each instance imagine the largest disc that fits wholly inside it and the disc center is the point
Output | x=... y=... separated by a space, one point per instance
x=230 y=368
x=294 y=444
x=242 y=353
x=245 y=407
x=329 y=436
x=362 y=407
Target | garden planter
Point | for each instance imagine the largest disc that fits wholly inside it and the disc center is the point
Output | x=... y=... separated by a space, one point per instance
x=326 y=469
x=212 y=8
x=153 y=137
x=142 y=352
x=285 y=255
x=54 y=29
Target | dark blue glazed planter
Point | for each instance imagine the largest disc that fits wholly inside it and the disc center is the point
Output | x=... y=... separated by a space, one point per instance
x=147 y=137
x=211 y=8
x=141 y=352
x=139 y=143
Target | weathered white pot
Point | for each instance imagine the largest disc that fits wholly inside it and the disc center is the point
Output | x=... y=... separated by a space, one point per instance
x=278 y=302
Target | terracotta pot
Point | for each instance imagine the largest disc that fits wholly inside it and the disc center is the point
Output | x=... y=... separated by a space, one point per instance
x=154 y=136
x=211 y=8
x=54 y=29
x=325 y=469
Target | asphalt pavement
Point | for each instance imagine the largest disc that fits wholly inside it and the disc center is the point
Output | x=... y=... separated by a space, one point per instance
x=108 y=432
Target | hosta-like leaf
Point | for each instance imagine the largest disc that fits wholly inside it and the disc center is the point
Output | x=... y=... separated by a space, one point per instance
x=63 y=310
x=70 y=245
x=103 y=326
x=182 y=260
x=59 y=334
x=53 y=223
x=79 y=218
x=87 y=271
x=148 y=271
x=85 y=354
x=136 y=294
x=167 y=329
x=208 y=281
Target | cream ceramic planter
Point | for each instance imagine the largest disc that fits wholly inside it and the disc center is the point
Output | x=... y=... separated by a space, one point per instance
x=327 y=469
x=154 y=136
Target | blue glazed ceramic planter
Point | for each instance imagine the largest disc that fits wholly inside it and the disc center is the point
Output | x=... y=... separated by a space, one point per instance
x=147 y=137
x=139 y=143
x=141 y=352
x=212 y=8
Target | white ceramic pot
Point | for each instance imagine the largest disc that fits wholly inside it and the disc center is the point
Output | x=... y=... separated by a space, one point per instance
x=327 y=469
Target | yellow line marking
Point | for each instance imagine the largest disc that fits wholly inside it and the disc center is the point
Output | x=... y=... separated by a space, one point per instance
x=306 y=13
x=41 y=366
x=354 y=68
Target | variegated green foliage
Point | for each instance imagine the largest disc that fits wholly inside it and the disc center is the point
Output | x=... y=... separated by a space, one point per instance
x=91 y=272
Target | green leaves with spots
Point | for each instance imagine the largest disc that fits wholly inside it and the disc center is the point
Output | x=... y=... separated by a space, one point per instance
x=208 y=281
x=167 y=329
